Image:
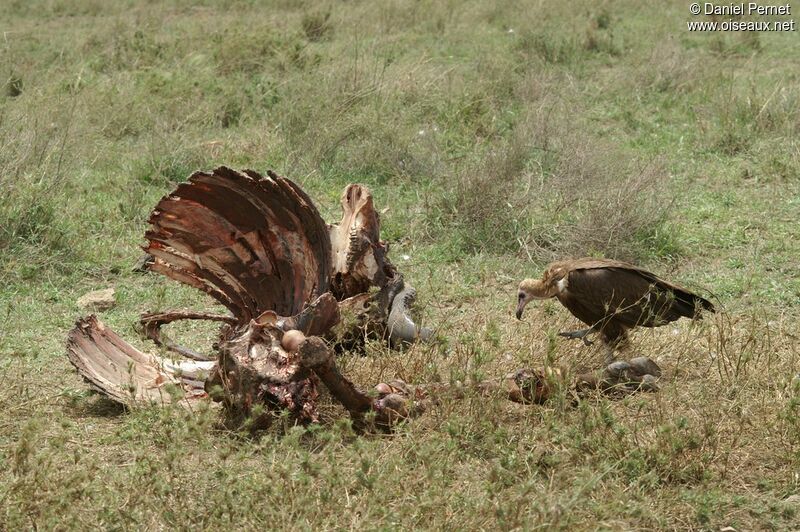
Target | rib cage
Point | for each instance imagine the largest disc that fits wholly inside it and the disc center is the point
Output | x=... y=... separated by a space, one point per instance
x=253 y=243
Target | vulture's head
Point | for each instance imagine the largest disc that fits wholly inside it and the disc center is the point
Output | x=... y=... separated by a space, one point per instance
x=530 y=289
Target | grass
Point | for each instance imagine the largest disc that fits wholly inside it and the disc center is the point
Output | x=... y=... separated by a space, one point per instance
x=499 y=136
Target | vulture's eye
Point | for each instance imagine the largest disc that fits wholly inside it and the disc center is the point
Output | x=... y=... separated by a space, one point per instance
x=522 y=295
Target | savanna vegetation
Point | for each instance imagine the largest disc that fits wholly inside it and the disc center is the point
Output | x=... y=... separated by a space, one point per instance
x=497 y=136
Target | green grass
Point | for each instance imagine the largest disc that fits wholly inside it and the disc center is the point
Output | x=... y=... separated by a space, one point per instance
x=499 y=136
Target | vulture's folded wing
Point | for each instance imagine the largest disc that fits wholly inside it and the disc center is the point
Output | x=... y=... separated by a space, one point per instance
x=627 y=295
x=686 y=302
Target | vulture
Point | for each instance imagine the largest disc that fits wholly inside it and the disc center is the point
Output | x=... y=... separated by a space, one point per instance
x=611 y=297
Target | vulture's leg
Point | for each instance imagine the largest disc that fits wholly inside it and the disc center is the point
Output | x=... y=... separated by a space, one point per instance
x=615 y=336
x=610 y=356
x=581 y=334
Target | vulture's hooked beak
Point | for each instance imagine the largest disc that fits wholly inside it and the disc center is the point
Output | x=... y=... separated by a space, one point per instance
x=521 y=305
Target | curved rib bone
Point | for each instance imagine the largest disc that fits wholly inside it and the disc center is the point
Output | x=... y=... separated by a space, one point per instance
x=152 y=322
x=253 y=243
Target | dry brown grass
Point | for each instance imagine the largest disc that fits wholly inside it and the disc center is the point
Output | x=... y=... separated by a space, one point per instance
x=713 y=424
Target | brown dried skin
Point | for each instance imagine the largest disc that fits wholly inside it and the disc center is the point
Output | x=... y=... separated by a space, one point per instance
x=253 y=243
x=118 y=370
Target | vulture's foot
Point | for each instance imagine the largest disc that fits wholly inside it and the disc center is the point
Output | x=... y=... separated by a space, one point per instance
x=582 y=334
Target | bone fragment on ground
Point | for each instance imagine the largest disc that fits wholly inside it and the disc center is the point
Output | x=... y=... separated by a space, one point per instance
x=97 y=300
x=622 y=377
x=400 y=325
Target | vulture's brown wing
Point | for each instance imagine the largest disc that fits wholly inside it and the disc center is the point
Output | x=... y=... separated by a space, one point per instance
x=688 y=301
x=253 y=243
x=628 y=295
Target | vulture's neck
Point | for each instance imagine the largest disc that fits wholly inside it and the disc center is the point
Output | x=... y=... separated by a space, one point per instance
x=537 y=289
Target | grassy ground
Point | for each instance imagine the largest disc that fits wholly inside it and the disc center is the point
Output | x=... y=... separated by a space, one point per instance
x=500 y=135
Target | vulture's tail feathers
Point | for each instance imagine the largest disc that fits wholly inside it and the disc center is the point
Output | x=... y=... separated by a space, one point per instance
x=691 y=305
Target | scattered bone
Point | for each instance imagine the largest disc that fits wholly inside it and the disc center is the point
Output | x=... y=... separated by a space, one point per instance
x=97 y=300
x=621 y=378
x=292 y=339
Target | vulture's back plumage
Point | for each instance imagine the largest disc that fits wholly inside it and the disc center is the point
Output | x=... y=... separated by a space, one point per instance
x=635 y=297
